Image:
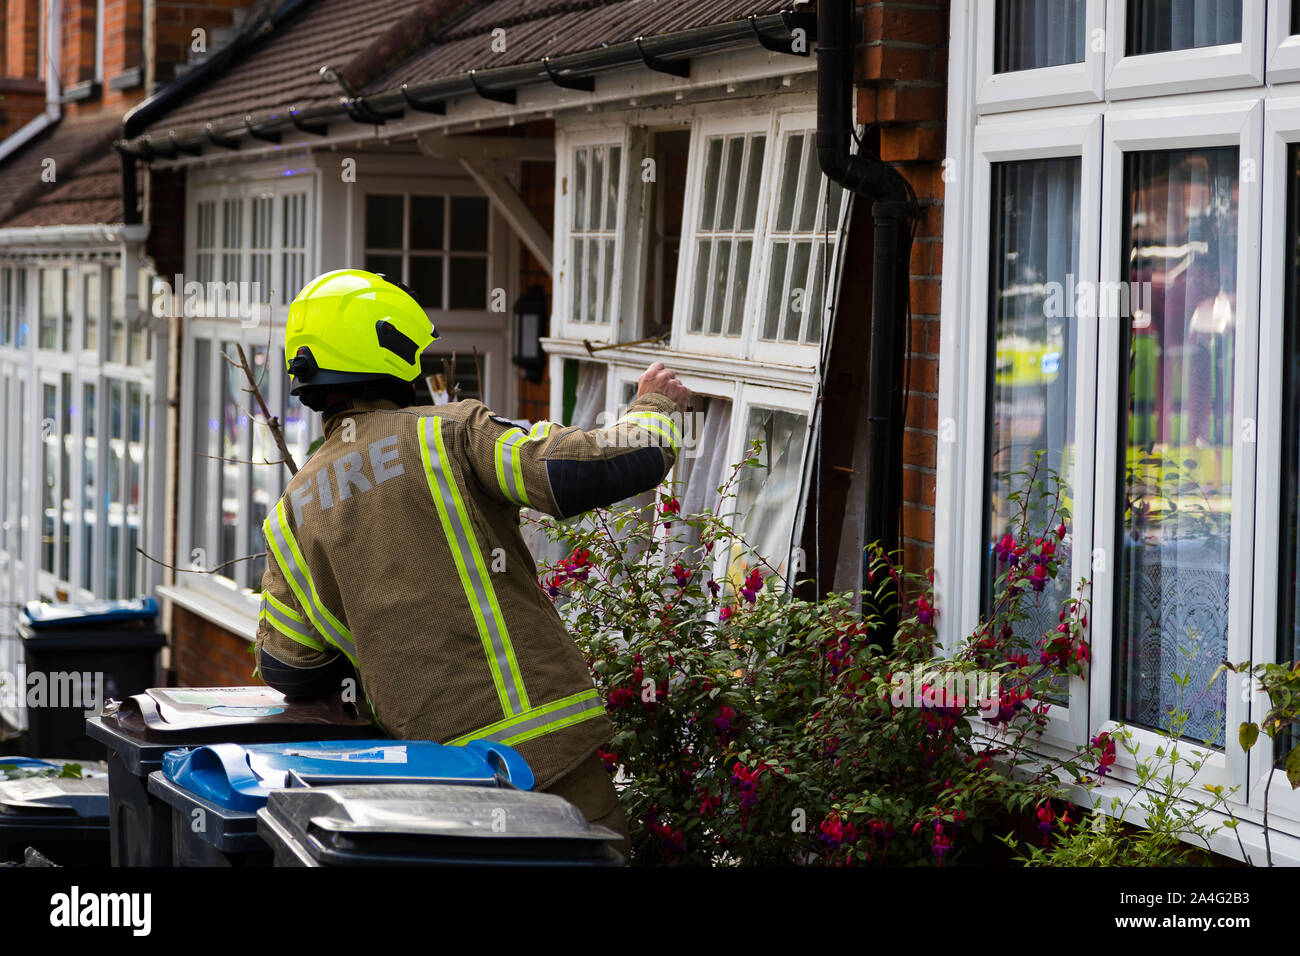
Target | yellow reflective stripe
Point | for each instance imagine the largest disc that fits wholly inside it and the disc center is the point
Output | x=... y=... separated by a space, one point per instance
x=507 y=462
x=650 y=422
x=474 y=578
x=546 y=719
x=288 y=556
x=290 y=630
x=283 y=608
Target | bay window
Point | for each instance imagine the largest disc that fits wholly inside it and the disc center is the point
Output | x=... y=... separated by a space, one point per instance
x=1126 y=317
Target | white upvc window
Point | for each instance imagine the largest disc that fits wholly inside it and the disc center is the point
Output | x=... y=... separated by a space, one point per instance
x=591 y=188
x=1283 y=41
x=1154 y=47
x=254 y=243
x=1178 y=434
x=82 y=422
x=1036 y=379
x=1043 y=53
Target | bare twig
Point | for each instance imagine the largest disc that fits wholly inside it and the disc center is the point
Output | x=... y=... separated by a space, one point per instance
x=240 y=461
x=224 y=564
x=272 y=422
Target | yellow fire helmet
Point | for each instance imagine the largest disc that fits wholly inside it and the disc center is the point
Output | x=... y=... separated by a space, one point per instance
x=354 y=326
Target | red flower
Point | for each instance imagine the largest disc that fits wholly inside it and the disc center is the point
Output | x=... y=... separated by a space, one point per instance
x=681 y=574
x=924 y=611
x=726 y=612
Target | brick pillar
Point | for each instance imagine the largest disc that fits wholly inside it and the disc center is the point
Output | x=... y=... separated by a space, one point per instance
x=902 y=78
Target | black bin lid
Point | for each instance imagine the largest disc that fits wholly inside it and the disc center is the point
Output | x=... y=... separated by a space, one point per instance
x=433 y=824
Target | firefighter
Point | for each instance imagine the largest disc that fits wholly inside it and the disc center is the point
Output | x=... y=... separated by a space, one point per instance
x=395 y=556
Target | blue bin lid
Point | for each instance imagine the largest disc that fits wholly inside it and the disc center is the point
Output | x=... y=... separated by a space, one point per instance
x=241 y=777
x=39 y=614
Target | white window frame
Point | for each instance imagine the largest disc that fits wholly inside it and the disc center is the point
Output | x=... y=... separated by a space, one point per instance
x=702 y=129
x=826 y=242
x=567 y=142
x=1062 y=85
x=1281 y=130
x=1008 y=141
x=1283 y=45
x=1197 y=123
x=1220 y=67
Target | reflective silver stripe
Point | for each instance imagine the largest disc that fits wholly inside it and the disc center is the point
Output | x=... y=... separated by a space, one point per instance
x=540 y=720
x=472 y=572
x=300 y=582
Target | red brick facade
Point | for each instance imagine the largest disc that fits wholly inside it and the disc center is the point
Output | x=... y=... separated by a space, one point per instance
x=902 y=76
x=205 y=655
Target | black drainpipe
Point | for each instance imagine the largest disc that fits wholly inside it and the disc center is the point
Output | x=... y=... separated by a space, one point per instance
x=893 y=209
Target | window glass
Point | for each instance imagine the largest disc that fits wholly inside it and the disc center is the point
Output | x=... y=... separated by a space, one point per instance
x=20 y=308
x=593 y=230
x=89 y=450
x=66 y=442
x=1034 y=257
x=384 y=225
x=234 y=421
x=265 y=485
x=204 y=428
x=6 y=306
x=469 y=223
x=667 y=198
x=205 y=240
x=724 y=241
x=1288 y=637
x=427 y=222
x=767 y=494
x=135 y=465
x=1032 y=34
x=50 y=472
x=232 y=235
x=51 y=308
x=293 y=255
x=1157 y=26
x=92 y=308
x=113 y=494
x=116 y=316
x=261 y=209
x=1175 y=483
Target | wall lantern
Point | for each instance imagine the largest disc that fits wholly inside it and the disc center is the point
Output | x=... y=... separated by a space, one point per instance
x=531 y=320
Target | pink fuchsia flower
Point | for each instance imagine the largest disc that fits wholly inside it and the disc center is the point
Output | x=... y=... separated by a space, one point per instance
x=1038 y=577
x=1060 y=531
x=620 y=697
x=724 y=720
x=713 y=587
x=747 y=782
x=1105 y=745
x=681 y=574
x=726 y=612
x=609 y=759
x=924 y=611
x=709 y=805
x=753 y=584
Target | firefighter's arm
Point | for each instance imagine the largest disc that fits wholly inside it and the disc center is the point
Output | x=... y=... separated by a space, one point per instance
x=565 y=471
x=292 y=657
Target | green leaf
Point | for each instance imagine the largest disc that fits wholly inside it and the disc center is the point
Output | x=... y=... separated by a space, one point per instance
x=1248 y=734
x=1293 y=767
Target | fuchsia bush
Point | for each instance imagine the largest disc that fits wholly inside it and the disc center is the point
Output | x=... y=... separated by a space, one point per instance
x=754 y=727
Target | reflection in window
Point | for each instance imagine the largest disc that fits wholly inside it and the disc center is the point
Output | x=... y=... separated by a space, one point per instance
x=203 y=429
x=66 y=440
x=1158 y=26
x=593 y=222
x=1031 y=34
x=293 y=245
x=135 y=466
x=51 y=307
x=93 y=308
x=724 y=236
x=89 y=451
x=50 y=472
x=234 y=421
x=1288 y=635
x=116 y=511
x=801 y=244
x=767 y=494
x=116 y=316
x=265 y=485
x=1175 y=480
x=1033 y=330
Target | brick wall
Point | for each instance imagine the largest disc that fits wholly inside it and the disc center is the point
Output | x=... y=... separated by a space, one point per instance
x=123 y=51
x=174 y=24
x=22 y=26
x=902 y=77
x=204 y=655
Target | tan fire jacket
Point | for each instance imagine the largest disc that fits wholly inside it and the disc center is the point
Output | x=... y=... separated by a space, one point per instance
x=398 y=546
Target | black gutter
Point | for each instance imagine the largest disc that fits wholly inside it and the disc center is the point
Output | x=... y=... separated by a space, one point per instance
x=893 y=210
x=142 y=114
x=672 y=47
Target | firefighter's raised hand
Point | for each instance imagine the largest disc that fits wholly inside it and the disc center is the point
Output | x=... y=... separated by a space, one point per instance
x=659 y=378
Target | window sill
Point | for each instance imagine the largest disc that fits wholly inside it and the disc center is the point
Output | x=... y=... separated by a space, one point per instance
x=232 y=610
